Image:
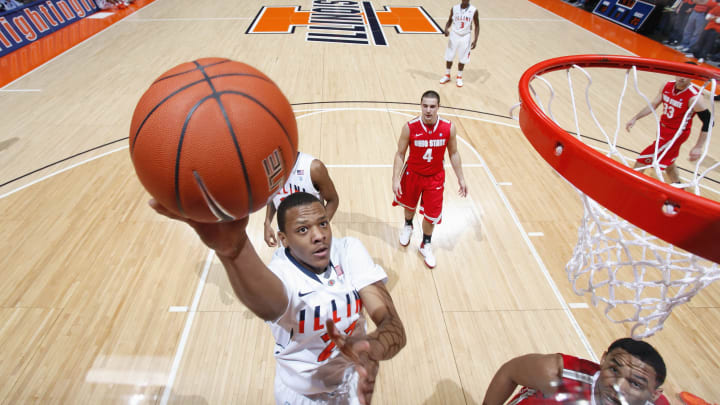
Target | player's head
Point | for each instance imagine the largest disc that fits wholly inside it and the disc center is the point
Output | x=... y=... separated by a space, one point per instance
x=464 y=3
x=631 y=372
x=681 y=83
x=430 y=103
x=305 y=229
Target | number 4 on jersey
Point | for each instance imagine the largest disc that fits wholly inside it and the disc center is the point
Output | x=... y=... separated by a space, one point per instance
x=428 y=155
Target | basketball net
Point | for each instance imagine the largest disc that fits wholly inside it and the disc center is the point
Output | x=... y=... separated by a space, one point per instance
x=639 y=277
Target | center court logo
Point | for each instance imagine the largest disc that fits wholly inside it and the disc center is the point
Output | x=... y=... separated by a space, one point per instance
x=351 y=22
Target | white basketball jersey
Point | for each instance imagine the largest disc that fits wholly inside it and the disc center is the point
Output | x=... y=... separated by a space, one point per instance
x=307 y=360
x=299 y=180
x=462 y=19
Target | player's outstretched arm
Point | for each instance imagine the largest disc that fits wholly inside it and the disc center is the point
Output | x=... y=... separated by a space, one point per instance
x=325 y=186
x=645 y=111
x=542 y=372
x=270 y=238
x=456 y=162
x=382 y=344
x=399 y=159
x=254 y=284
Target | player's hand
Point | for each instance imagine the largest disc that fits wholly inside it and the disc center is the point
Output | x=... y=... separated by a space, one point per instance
x=695 y=153
x=357 y=350
x=397 y=188
x=270 y=236
x=446 y=32
x=472 y=46
x=630 y=124
x=225 y=238
x=462 y=191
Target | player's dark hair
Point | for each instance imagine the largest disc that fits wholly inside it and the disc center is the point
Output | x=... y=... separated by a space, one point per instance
x=431 y=94
x=644 y=352
x=293 y=200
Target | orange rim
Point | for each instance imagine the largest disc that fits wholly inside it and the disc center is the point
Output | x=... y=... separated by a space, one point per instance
x=695 y=225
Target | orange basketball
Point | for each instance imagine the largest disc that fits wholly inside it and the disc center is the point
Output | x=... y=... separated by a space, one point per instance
x=213 y=139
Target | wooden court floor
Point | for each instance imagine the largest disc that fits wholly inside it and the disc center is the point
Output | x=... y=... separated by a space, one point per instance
x=103 y=301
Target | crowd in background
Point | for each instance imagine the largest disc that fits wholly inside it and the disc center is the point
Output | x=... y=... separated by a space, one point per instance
x=690 y=26
x=6 y=5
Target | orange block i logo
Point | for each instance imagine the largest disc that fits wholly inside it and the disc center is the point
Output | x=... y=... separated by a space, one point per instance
x=351 y=22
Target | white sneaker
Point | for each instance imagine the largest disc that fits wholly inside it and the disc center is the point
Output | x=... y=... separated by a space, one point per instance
x=459 y=82
x=445 y=79
x=405 y=233
x=426 y=251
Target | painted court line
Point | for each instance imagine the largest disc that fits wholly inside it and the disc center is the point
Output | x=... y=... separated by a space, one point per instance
x=80 y=43
x=186 y=330
x=178 y=309
x=537 y=257
x=62 y=171
x=535 y=234
x=578 y=305
x=20 y=90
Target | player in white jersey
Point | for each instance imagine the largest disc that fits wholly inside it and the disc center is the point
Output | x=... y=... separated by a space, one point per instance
x=311 y=296
x=310 y=176
x=462 y=17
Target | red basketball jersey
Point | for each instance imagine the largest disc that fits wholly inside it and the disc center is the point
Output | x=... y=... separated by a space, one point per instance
x=576 y=386
x=427 y=146
x=676 y=104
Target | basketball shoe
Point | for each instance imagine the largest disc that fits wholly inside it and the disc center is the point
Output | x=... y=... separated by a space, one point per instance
x=459 y=81
x=445 y=79
x=426 y=251
x=405 y=233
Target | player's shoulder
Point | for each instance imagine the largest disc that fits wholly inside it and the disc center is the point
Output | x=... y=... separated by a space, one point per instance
x=694 y=89
x=586 y=368
x=414 y=121
x=346 y=244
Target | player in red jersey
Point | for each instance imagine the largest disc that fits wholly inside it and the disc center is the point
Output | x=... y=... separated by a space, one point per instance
x=422 y=176
x=676 y=97
x=630 y=373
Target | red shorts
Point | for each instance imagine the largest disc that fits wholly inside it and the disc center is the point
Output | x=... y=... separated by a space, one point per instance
x=428 y=189
x=666 y=134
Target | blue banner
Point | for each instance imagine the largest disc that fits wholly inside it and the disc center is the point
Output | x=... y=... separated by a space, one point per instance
x=24 y=25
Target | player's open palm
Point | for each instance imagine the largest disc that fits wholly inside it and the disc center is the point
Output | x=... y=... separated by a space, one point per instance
x=226 y=238
x=695 y=154
x=357 y=350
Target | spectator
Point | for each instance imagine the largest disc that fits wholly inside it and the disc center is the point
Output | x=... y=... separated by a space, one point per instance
x=706 y=42
x=7 y=5
x=680 y=21
x=695 y=24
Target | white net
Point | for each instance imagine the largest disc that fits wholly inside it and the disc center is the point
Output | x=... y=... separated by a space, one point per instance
x=637 y=276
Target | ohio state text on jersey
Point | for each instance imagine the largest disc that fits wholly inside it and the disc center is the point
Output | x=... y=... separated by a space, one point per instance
x=427 y=146
x=676 y=104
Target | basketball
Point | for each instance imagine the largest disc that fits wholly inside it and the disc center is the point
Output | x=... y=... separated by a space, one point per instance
x=213 y=139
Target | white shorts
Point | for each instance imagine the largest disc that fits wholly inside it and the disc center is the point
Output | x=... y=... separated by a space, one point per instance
x=458 y=45
x=346 y=394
